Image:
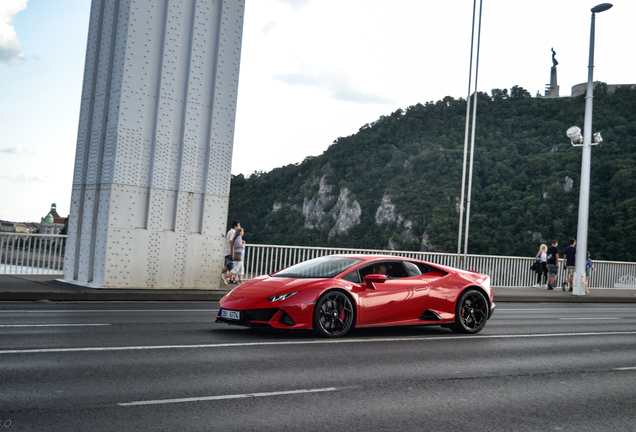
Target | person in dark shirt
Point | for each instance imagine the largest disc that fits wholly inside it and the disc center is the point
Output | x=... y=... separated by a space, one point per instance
x=589 y=265
x=382 y=269
x=570 y=262
x=553 y=263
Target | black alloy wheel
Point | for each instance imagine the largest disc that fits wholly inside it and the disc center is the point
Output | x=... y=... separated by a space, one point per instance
x=334 y=314
x=471 y=312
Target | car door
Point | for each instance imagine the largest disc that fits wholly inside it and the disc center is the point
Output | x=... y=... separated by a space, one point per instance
x=402 y=297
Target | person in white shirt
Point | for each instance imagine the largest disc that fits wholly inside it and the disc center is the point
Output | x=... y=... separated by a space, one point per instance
x=542 y=266
x=229 y=263
x=238 y=254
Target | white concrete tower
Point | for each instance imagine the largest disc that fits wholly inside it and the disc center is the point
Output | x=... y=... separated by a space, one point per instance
x=154 y=147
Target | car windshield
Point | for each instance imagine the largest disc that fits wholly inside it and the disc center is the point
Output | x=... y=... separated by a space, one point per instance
x=323 y=267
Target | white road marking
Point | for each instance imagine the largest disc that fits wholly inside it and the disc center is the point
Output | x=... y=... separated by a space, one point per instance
x=626 y=368
x=309 y=342
x=593 y=319
x=51 y=325
x=236 y=396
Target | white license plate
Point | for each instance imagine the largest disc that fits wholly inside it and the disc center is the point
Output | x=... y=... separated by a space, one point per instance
x=230 y=314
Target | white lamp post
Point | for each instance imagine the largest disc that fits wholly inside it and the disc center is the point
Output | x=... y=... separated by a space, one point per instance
x=584 y=197
x=461 y=261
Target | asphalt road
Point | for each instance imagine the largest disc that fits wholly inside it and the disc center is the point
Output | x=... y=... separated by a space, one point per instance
x=155 y=367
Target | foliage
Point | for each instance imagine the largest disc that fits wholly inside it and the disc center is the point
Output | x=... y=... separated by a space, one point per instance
x=524 y=189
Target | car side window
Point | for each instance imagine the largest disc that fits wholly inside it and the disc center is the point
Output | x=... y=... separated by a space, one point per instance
x=364 y=271
x=352 y=276
x=392 y=269
x=397 y=270
x=422 y=267
x=412 y=269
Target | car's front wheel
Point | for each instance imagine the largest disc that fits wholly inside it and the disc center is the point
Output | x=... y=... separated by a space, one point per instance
x=471 y=312
x=334 y=314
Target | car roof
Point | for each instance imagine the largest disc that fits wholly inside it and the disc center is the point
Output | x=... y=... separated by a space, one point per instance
x=374 y=257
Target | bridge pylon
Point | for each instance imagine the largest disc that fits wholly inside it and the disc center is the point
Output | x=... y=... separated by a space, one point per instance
x=154 y=147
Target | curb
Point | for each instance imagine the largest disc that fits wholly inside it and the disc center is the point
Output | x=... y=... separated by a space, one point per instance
x=16 y=288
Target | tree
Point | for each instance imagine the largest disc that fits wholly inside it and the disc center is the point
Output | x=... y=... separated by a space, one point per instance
x=517 y=92
x=499 y=94
x=525 y=181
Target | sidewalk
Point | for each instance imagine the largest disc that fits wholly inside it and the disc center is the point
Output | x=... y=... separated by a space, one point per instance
x=542 y=295
x=45 y=287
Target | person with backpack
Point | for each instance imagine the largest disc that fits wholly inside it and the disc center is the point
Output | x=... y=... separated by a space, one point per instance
x=229 y=262
x=542 y=266
x=553 y=263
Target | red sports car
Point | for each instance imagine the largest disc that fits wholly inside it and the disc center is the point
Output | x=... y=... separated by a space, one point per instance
x=334 y=294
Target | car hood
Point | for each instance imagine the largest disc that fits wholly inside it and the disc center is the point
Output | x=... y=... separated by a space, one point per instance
x=266 y=286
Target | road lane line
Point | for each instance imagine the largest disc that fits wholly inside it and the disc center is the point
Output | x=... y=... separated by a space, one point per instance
x=309 y=342
x=51 y=325
x=594 y=319
x=236 y=396
x=626 y=368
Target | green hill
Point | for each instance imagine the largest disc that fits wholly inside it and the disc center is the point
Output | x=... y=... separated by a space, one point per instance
x=397 y=182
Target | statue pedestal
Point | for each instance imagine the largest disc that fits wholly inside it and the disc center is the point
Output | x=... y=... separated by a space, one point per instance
x=552 y=89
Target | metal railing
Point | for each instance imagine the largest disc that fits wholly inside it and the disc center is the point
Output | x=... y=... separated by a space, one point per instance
x=44 y=254
x=32 y=253
x=504 y=271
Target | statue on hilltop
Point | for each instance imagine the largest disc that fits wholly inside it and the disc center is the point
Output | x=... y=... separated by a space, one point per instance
x=554 y=60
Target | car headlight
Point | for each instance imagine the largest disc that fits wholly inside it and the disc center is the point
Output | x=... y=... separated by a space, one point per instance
x=281 y=296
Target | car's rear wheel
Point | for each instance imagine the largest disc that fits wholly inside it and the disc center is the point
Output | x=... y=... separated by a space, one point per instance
x=334 y=314
x=471 y=312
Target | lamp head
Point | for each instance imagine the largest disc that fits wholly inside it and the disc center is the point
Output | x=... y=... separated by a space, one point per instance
x=602 y=7
x=597 y=137
x=574 y=133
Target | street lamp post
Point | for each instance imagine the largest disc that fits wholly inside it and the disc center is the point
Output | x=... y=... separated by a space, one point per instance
x=584 y=196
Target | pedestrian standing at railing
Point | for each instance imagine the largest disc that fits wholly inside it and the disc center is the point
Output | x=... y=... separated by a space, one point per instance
x=553 y=263
x=589 y=265
x=225 y=272
x=570 y=264
x=542 y=266
x=238 y=254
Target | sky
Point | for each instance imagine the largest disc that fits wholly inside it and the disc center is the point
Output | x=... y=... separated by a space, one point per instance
x=311 y=71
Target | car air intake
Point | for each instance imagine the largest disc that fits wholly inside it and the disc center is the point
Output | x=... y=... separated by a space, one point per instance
x=429 y=315
x=286 y=319
x=260 y=314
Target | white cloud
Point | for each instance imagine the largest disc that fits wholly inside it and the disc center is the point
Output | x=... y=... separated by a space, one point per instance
x=10 y=50
x=295 y=4
x=269 y=26
x=26 y=177
x=18 y=150
x=336 y=83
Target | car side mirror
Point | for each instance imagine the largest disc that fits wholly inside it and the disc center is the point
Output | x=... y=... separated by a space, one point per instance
x=373 y=279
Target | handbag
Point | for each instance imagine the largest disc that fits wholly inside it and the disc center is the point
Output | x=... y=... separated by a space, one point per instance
x=238 y=256
x=534 y=266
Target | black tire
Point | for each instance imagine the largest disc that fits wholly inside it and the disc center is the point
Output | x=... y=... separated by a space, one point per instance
x=334 y=314
x=471 y=312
